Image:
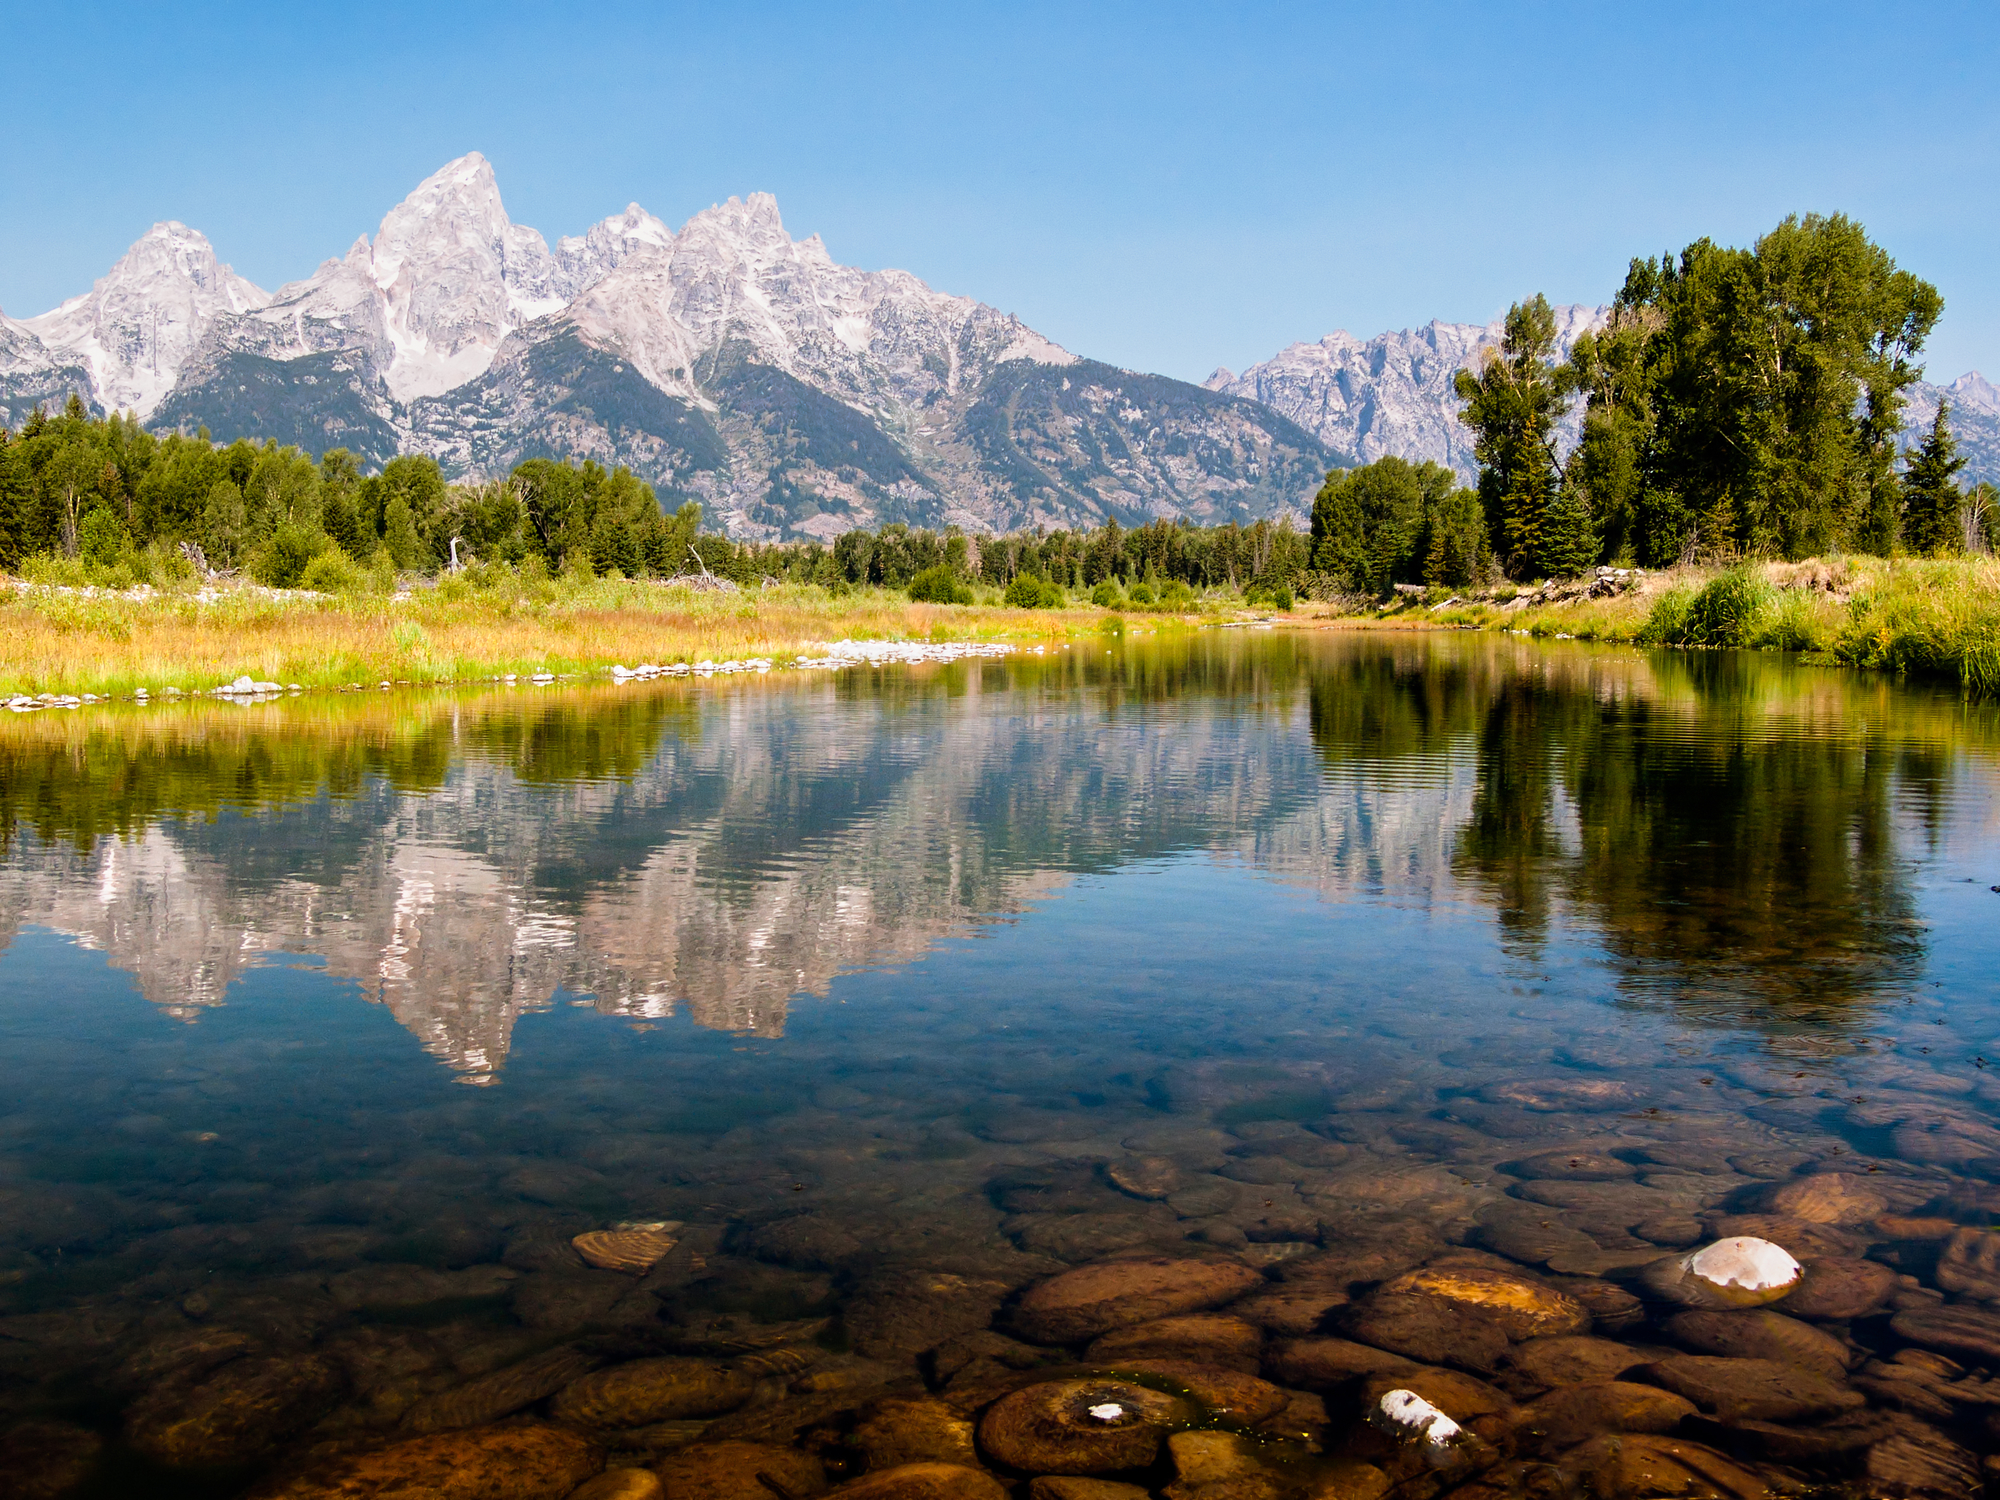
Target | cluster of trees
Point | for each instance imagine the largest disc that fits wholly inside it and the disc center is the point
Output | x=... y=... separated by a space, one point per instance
x=109 y=494
x=1738 y=403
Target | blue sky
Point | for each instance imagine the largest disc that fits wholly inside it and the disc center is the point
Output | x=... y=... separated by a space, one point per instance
x=1168 y=187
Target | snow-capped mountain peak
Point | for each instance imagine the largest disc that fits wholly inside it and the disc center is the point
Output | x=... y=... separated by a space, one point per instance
x=136 y=326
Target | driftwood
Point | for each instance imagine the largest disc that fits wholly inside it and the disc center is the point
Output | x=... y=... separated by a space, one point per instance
x=704 y=581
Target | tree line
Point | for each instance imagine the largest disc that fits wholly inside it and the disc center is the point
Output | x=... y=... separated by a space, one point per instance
x=1738 y=403
x=127 y=506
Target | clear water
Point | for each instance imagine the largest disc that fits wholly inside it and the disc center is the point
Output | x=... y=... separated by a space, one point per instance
x=850 y=974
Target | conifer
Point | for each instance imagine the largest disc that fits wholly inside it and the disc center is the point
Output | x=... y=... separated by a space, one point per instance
x=1931 y=499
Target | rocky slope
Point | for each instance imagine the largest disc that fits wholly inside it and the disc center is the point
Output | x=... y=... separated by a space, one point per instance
x=1393 y=394
x=727 y=362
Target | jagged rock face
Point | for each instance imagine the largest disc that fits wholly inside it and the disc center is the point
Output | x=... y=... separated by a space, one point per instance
x=31 y=375
x=1974 y=421
x=729 y=363
x=137 y=326
x=1392 y=394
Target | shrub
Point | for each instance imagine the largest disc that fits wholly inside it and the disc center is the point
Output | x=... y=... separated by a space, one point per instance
x=1177 y=595
x=1666 y=622
x=1281 y=597
x=333 y=572
x=939 y=586
x=281 y=560
x=1142 y=593
x=101 y=538
x=1030 y=592
x=1105 y=595
x=1726 y=611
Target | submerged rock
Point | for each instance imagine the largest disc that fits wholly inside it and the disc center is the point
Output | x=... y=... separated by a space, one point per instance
x=1573 y=1359
x=631 y=1248
x=1966 y=1330
x=1080 y=1487
x=1759 y=1389
x=527 y=1461
x=1225 y=1395
x=1759 y=1333
x=1206 y=1338
x=652 y=1390
x=1329 y=1362
x=1461 y=1315
x=621 y=1484
x=1079 y=1427
x=1840 y=1198
x=501 y=1393
x=1970 y=1264
x=1639 y=1466
x=1564 y=1418
x=925 y=1482
x=1573 y=1166
x=904 y=1430
x=732 y=1470
x=1149 y=1177
x=1742 y=1271
x=234 y=1414
x=1838 y=1289
x=46 y=1460
x=1095 y=1299
x=898 y=1315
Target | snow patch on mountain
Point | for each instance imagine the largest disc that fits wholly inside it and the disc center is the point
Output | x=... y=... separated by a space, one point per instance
x=136 y=327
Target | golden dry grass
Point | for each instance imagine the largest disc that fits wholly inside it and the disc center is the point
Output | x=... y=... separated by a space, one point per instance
x=74 y=642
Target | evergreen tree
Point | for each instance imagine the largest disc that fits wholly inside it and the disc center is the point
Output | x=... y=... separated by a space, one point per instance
x=1932 y=504
x=1569 y=542
x=1512 y=404
x=16 y=498
x=399 y=532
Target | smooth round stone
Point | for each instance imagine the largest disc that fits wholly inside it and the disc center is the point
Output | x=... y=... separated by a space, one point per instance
x=729 y=1470
x=1081 y=1487
x=1205 y=1338
x=924 y=1482
x=234 y=1414
x=528 y=1461
x=1760 y=1389
x=1518 y=1307
x=1573 y=1166
x=1827 y=1198
x=1225 y=1395
x=499 y=1394
x=1562 y=1095
x=1920 y=1460
x=645 y=1391
x=1573 y=1359
x=1798 y=1236
x=1636 y=1466
x=1320 y=1363
x=1578 y=1413
x=898 y=1315
x=920 y=1430
x=1079 y=1426
x=1290 y=1311
x=1151 y=1177
x=1759 y=1333
x=1963 y=1330
x=1095 y=1299
x=1742 y=1271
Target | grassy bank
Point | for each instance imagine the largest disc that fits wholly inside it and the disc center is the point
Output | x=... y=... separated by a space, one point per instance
x=71 y=641
x=1930 y=618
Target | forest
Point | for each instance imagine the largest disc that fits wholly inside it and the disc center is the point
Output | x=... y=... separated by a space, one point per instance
x=105 y=501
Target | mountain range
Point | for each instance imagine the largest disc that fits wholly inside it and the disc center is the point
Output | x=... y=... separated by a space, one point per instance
x=729 y=363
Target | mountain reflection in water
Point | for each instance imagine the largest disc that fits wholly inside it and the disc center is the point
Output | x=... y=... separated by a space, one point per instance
x=1735 y=831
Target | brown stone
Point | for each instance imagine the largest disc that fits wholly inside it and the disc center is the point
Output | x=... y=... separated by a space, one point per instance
x=1961 y=1330
x=233 y=1414
x=1206 y=1338
x=1080 y=1487
x=1839 y=1288
x=1969 y=1264
x=1291 y=1311
x=1759 y=1333
x=923 y=1482
x=1563 y=1095
x=1799 y=1236
x=46 y=1460
x=1532 y=1235
x=1840 y=1198
x=1095 y=1299
x=1641 y=1466
x=1324 y=1362
x=898 y=1315
x=499 y=1394
x=1461 y=1315
x=1921 y=1463
x=1224 y=1395
x=1079 y=1427
x=730 y=1470
x=920 y=1430
x=1518 y=1307
x=1790 y=1443
x=527 y=1461
x=1564 y=1418
x=1459 y=1396
x=1571 y=1359
x=1201 y=1458
x=652 y=1390
x=1758 y=1389
x=1149 y=1177
x=621 y=1484
x=1573 y=1166
x=1350 y=1479
x=1612 y=1309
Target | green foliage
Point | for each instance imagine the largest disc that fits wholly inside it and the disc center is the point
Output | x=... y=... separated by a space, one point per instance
x=1281 y=598
x=1513 y=405
x=1105 y=595
x=938 y=585
x=222 y=522
x=1395 y=522
x=282 y=558
x=1932 y=504
x=102 y=537
x=1026 y=591
x=1726 y=610
x=1140 y=594
x=334 y=572
x=1747 y=401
